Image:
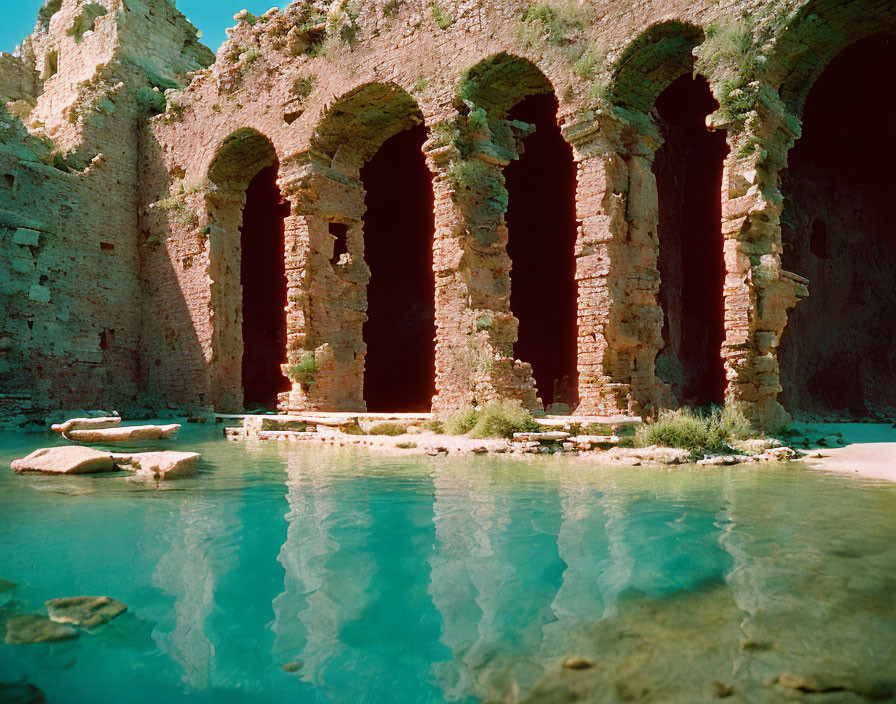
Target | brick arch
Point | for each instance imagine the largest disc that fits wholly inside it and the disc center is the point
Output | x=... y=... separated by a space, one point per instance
x=499 y=82
x=816 y=35
x=651 y=62
x=352 y=129
x=239 y=158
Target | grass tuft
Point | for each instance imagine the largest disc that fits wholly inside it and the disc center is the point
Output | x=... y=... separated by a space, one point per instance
x=388 y=428
x=701 y=432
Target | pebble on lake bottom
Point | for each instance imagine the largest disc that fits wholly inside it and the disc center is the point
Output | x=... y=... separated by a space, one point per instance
x=574 y=662
x=21 y=693
x=293 y=666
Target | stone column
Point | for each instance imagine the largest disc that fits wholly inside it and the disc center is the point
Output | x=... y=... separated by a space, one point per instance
x=619 y=319
x=326 y=298
x=475 y=329
x=758 y=292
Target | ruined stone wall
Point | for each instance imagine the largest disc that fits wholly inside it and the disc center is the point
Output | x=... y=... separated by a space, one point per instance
x=326 y=84
x=317 y=88
x=69 y=261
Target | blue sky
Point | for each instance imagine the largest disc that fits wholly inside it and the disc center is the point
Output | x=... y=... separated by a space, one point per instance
x=211 y=16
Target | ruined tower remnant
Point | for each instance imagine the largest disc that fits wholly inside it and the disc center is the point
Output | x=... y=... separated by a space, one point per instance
x=131 y=156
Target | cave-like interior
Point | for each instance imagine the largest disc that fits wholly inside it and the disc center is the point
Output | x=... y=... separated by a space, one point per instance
x=263 y=279
x=398 y=233
x=688 y=170
x=837 y=353
x=541 y=220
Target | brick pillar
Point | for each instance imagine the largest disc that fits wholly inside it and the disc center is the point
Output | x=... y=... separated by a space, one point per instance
x=475 y=329
x=758 y=292
x=619 y=319
x=326 y=299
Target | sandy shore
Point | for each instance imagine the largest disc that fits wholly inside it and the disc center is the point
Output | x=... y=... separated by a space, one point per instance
x=868 y=451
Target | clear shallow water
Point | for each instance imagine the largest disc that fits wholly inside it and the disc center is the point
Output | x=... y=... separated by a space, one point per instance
x=453 y=579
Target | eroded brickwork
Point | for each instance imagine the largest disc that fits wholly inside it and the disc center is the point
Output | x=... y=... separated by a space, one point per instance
x=317 y=88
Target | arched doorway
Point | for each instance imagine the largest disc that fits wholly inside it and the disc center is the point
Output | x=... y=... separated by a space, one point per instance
x=541 y=222
x=398 y=231
x=246 y=264
x=369 y=320
x=263 y=281
x=688 y=170
x=836 y=354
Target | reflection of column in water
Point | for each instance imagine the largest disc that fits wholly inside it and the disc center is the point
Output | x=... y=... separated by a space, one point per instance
x=188 y=572
x=592 y=578
x=326 y=574
x=487 y=556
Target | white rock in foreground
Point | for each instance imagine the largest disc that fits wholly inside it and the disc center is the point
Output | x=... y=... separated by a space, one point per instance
x=160 y=466
x=70 y=459
x=86 y=424
x=124 y=433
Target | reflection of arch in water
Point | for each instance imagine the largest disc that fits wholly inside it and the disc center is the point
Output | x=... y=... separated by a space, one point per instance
x=320 y=593
x=491 y=586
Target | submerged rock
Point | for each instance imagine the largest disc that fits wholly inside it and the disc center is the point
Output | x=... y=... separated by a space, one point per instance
x=35 y=628
x=124 y=433
x=575 y=662
x=159 y=466
x=86 y=424
x=293 y=666
x=21 y=693
x=70 y=459
x=88 y=611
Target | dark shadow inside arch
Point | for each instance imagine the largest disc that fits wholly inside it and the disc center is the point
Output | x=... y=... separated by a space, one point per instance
x=263 y=279
x=688 y=170
x=541 y=220
x=398 y=235
x=837 y=353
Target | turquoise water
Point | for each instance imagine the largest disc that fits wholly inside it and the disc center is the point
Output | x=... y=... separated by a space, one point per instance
x=453 y=579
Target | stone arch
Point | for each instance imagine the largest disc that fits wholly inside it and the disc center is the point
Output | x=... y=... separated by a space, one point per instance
x=362 y=296
x=351 y=130
x=245 y=279
x=835 y=355
x=675 y=175
x=815 y=36
x=651 y=62
x=523 y=225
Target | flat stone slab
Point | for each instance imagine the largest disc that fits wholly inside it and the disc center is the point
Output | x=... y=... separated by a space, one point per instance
x=86 y=424
x=124 y=433
x=87 y=611
x=69 y=459
x=159 y=466
x=548 y=436
x=35 y=628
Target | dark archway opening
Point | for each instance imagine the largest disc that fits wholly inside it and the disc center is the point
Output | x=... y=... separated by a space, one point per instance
x=263 y=278
x=837 y=355
x=399 y=372
x=541 y=220
x=688 y=170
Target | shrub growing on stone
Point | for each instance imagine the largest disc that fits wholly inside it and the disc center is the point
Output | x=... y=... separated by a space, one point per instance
x=501 y=419
x=388 y=429
x=462 y=422
x=700 y=432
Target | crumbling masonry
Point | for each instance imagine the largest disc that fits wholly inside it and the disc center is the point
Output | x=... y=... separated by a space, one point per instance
x=127 y=148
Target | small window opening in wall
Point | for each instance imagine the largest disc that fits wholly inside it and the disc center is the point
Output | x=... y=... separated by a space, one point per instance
x=107 y=246
x=104 y=340
x=10 y=180
x=51 y=64
x=340 y=245
x=818 y=239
